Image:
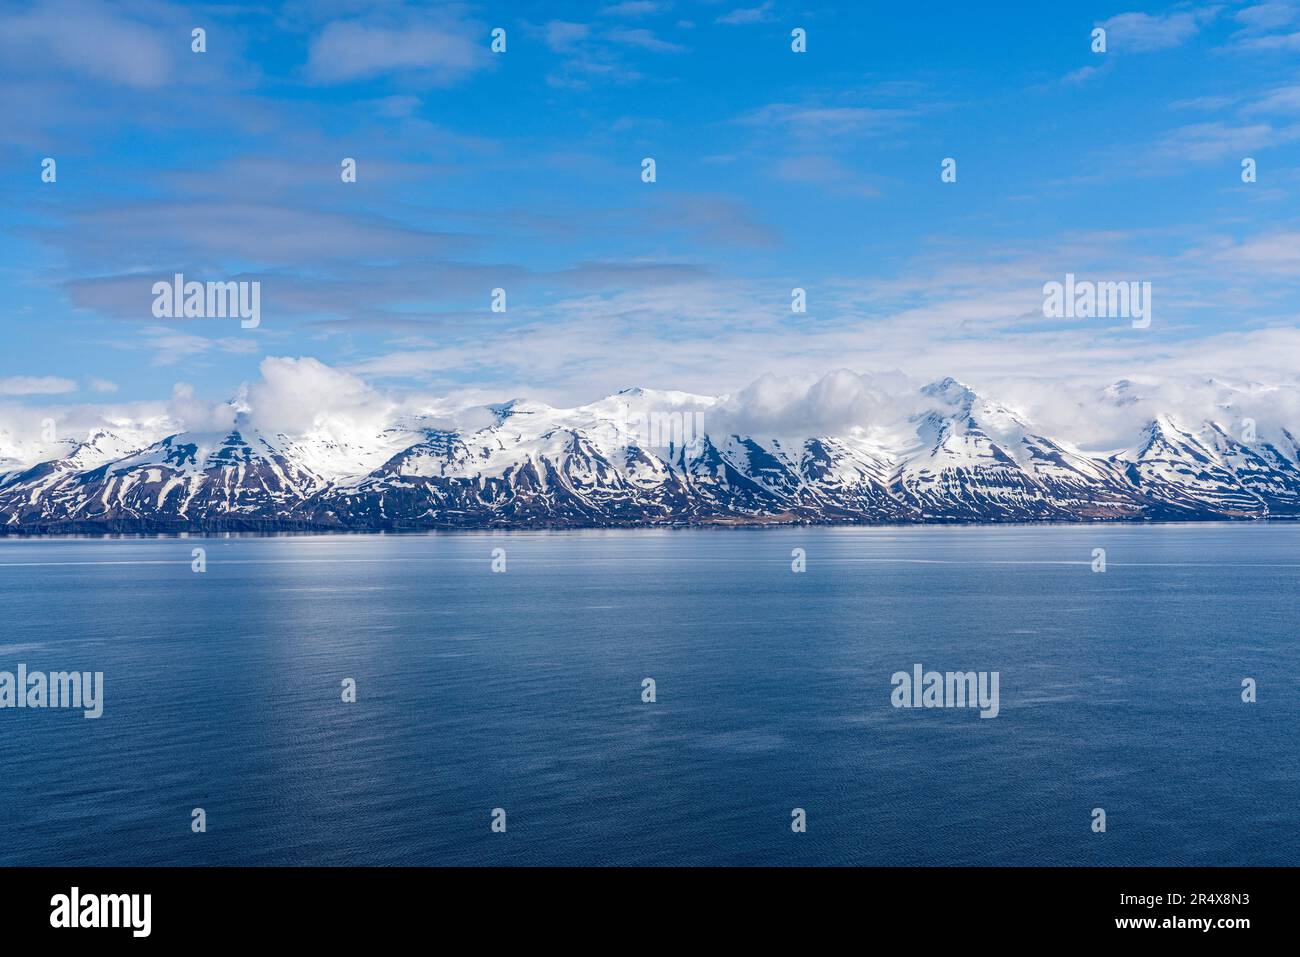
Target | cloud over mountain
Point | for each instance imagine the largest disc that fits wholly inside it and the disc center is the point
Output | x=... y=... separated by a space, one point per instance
x=311 y=447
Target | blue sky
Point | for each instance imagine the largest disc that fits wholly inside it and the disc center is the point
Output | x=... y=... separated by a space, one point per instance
x=522 y=170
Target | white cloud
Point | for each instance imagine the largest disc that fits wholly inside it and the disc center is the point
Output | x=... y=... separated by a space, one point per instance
x=635 y=8
x=1282 y=99
x=1210 y=142
x=1144 y=32
x=836 y=403
x=747 y=15
x=824 y=170
x=198 y=415
x=171 y=345
x=858 y=396
x=36 y=385
x=1273 y=43
x=296 y=395
x=1275 y=254
x=563 y=36
x=644 y=39
x=91 y=39
x=1084 y=74
x=1265 y=16
x=346 y=51
x=814 y=122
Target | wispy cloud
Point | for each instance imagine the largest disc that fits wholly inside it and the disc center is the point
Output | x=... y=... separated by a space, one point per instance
x=645 y=39
x=636 y=8
x=1262 y=28
x=439 y=55
x=1278 y=100
x=823 y=170
x=1211 y=142
x=1145 y=32
x=170 y=345
x=564 y=36
x=816 y=122
x=1272 y=43
x=1262 y=17
x=36 y=385
x=741 y=16
x=91 y=39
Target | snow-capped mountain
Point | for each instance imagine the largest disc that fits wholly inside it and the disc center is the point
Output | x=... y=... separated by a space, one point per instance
x=665 y=458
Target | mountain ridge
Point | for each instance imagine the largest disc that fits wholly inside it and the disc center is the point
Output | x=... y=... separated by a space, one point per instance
x=643 y=457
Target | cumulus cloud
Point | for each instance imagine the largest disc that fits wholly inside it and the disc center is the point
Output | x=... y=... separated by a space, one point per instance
x=192 y=414
x=30 y=434
x=1094 y=415
x=297 y=395
x=839 y=402
x=1112 y=416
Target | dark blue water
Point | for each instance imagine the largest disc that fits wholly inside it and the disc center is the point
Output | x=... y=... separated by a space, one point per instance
x=523 y=691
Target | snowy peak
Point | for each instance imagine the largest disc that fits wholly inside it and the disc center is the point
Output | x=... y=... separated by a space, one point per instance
x=960 y=404
x=952 y=392
x=517 y=407
x=642 y=456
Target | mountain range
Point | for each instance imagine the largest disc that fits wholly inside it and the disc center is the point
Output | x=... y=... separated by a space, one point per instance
x=643 y=457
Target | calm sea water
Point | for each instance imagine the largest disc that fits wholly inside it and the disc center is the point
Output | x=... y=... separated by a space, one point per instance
x=523 y=691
